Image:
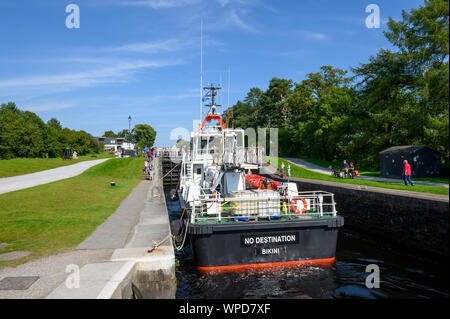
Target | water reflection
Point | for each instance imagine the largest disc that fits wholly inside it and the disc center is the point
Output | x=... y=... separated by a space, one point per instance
x=402 y=275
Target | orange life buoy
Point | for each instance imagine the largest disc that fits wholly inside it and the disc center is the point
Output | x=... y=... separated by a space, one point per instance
x=299 y=211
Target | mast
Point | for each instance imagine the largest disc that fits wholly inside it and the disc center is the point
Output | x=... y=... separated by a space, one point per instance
x=213 y=104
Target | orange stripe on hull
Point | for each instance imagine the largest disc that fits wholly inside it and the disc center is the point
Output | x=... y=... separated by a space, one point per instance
x=322 y=262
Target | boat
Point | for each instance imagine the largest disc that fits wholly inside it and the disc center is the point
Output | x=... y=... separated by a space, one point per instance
x=236 y=219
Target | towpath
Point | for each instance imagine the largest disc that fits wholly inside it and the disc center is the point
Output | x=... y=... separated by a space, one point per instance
x=118 y=251
x=14 y=183
x=318 y=169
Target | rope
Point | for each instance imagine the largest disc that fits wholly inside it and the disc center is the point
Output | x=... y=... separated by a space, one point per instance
x=158 y=244
x=184 y=239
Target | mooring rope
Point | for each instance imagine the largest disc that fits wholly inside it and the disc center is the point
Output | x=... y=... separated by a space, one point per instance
x=184 y=239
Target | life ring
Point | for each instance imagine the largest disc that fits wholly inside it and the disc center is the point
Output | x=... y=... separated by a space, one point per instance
x=299 y=211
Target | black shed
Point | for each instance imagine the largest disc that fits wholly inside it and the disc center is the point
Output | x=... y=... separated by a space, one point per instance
x=425 y=161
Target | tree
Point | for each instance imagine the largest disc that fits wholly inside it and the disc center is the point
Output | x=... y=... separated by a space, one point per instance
x=406 y=92
x=123 y=133
x=110 y=134
x=24 y=134
x=143 y=135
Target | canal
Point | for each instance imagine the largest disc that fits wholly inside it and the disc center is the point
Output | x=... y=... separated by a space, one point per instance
x=403 y=274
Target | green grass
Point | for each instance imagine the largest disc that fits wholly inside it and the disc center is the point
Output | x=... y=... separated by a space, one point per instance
x=20 y=166
x=54 y=217
x=372 y=172
x=442 y=179
x=300 y=172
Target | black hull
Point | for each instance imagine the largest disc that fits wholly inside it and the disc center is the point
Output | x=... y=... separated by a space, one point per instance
x=239 y=246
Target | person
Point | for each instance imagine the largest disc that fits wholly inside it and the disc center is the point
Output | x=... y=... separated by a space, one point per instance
x=145 y=166
x=345 y=167
x=149 y=155
x=407 y=173
x=282 y=169
x=351 y=169
x=150 y=170
x=75 y=155
x=289 y=170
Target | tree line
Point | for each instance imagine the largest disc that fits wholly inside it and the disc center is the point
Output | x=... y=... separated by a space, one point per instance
x=400 y=97
x=24 y=134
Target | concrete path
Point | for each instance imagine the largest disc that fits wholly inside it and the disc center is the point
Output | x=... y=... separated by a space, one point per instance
x=118 y=253
x=14 y=183
x=116 y=230
x=319 y=169
x=51 y=270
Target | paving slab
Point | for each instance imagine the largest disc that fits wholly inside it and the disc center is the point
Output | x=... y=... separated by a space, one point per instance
x=51 y=270
x=17 y=283
x=99 y=280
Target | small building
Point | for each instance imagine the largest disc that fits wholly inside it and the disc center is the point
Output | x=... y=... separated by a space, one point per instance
x=114 y=144
x=425 y=161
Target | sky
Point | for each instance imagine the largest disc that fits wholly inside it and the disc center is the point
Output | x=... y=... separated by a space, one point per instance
x=141 y=58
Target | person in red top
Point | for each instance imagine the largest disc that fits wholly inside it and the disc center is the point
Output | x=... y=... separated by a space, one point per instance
x=407 y=173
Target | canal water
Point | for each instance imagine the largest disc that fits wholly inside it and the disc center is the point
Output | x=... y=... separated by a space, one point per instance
x=402 y=273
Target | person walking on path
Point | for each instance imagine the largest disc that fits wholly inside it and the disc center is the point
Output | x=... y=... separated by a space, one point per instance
x=282 y=169
x=407 y=173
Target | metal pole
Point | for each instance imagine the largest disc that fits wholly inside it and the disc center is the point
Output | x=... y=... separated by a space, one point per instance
x=201 y=67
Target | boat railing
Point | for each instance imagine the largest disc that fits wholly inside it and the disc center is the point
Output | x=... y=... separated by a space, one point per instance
x=306 y=205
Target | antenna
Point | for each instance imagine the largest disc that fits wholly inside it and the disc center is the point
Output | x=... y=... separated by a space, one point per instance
x=201 y=68
x=228 y=102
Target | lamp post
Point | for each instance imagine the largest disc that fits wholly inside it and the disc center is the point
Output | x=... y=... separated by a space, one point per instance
x=129 y=128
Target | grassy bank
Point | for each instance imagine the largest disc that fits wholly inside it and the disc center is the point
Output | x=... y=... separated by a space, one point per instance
x=20 y=166
x=300 y=172
x=371 y=172
x=53 y=217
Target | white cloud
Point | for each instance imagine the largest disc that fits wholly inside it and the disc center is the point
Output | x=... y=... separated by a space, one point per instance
x=158 y=4
x=49 y=106
x=314 y=35
x=234 y=19
x=223 y=3
x=117 y=73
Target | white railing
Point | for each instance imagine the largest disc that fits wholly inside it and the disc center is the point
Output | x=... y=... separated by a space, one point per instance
x=305 y=205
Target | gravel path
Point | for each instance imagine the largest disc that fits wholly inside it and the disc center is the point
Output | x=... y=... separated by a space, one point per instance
x=14 y=183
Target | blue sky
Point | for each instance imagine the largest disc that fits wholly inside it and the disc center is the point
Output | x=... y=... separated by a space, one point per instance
x=142 y=57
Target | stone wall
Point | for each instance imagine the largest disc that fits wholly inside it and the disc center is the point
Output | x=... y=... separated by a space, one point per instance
x=416 y=220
